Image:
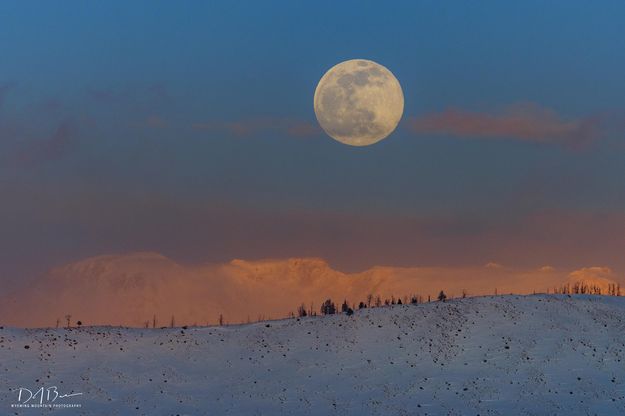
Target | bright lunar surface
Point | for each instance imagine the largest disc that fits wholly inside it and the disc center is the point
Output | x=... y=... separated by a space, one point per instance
x=358 y=102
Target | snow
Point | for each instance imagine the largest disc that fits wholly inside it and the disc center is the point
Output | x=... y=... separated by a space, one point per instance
x=498 y=355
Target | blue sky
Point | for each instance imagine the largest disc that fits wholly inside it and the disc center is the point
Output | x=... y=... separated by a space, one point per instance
x=104 y=145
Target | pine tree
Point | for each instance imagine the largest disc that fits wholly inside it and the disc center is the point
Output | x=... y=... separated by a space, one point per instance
x=328 y=307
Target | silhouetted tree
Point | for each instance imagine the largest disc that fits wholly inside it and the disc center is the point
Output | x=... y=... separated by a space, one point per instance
x=361 y=305
x=344 y=306
x=442 y=296
x=172 y=323
x=349 y=311
x=301 y=311
x=328 y=307
x=399 y=301
x=369 y=299
x=68 y=318
x=221 y=319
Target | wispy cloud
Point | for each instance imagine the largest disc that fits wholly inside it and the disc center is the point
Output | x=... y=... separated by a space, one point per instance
x=526 y=122
x=141 y=97
x=50 y=148
x=153 y=122
x=255 y=126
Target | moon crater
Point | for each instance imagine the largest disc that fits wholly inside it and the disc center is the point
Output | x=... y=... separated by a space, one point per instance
x=358 y=102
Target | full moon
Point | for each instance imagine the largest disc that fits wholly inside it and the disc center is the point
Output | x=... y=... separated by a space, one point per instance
x=358 y=102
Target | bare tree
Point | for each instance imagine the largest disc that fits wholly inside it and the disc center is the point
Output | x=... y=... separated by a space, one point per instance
x=154 y=321
x=68 y=318
x=221 y=319
x=301 y=311
x=442 y=296
x=172 y=323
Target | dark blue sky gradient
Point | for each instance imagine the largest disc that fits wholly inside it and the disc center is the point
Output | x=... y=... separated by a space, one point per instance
x=100 y=149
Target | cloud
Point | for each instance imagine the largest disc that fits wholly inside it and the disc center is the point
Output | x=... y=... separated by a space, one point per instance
x=254 y=126
x=154 y=122
x=138 y=96
x=50 y=148
x=215 y=228
x=129 y=289
x=524 y=122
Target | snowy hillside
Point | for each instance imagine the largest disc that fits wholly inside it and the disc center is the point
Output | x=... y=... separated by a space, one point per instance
x=505 y=355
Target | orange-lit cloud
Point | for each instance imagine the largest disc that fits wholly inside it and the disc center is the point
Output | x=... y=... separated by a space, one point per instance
x=525 y=122
x=131 y=289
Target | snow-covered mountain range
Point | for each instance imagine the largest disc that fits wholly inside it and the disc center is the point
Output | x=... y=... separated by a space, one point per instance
x=133 y=289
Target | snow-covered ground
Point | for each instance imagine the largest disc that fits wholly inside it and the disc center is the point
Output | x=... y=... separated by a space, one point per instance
x=506 y=355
